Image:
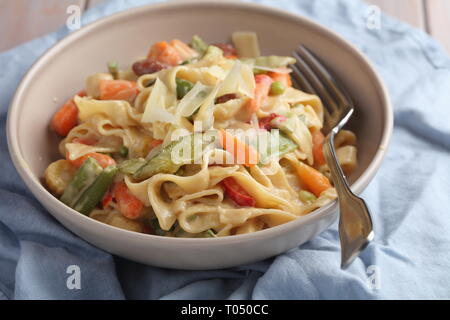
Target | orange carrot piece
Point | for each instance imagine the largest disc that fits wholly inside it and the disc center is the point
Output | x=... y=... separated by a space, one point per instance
x=130 y=206
x=284 y=78
x=65 y=119
x=262 y=89
x=118 y=90
x=318 y=140
x=242 y=153
x=315 y=181
x=164 y=53
x=184 y=51
x=102 y=159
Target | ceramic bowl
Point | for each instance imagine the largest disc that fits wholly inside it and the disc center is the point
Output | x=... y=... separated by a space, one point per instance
x=125 y=36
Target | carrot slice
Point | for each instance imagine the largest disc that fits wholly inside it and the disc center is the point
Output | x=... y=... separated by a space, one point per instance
x=65 y=119
x=284 y=78
x=102 y=159
x=262 y=89
x=118 y=90
x=130 y=206
x=165 y=53
x=318 y=140
x=242 y=153
x=315 y=181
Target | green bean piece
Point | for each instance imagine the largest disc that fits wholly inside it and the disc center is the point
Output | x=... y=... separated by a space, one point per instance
x=113 y=68
x=198 y=45
x=94 y=194
x=123 y=151
x=131 y=166
x=163 y=161
x=278 y=145
x=307 y=197
x=83 y=178
x=183 y=87
x=277 y=88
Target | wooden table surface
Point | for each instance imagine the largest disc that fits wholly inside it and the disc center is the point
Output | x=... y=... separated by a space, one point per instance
x=23 y=20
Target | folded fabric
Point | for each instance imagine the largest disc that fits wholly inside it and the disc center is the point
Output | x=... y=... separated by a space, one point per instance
x=409 y=197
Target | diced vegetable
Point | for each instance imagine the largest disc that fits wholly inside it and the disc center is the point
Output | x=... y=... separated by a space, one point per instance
x=93 y=83
x=184 y=51
x=113 y=68
x=118 y=90
x=225 y=98
x=306 y=197
x=242 y=153
x=237 y=193
x=199 y=45
x=131 y=166
x=107 y=198
x=83 y=178
x=165 y=53
x=95 y=192
x=283 y=78
x=183 y=87
x=58 y=176
x=162 y=162
x=246 y=44
x=318 y=140
x=102 y=159
x=267 y=123
x=123 y=151
x=147 y=66
x=65 y=119
x=263 y=83
x=278 y=145
x=277 y=88
x=315 y=181
x=130 y=206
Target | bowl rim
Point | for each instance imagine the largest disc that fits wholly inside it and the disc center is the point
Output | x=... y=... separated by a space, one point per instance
x=42 y=194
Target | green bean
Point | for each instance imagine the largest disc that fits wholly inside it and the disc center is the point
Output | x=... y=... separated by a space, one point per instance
x=113 y=68
x=123 y=151
x=183 y=87
x=307 y=197
x=198 y=45
x=92 y=196
x=131 y=166
x=277 y=88
x=163 y=162
x=83 y=178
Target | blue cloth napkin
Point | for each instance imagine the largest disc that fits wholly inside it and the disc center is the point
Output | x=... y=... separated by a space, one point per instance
x=410 y=196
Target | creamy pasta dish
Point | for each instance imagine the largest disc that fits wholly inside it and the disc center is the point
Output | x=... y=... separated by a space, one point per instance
x=195 y=140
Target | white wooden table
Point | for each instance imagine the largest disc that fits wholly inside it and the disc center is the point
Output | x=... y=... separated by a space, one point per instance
x=23 y=20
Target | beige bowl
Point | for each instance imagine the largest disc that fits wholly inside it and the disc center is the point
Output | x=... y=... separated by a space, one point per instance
x=125 y=36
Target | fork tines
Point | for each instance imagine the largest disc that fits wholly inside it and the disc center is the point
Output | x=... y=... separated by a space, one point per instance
x=311 y=76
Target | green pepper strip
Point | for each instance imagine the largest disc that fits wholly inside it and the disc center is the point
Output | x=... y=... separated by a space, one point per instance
x=83 y=178
x=92 y=196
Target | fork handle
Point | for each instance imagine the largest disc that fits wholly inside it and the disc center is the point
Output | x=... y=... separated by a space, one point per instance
x=355 y=223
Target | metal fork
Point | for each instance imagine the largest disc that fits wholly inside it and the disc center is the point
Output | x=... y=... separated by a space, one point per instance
x=355 y=223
